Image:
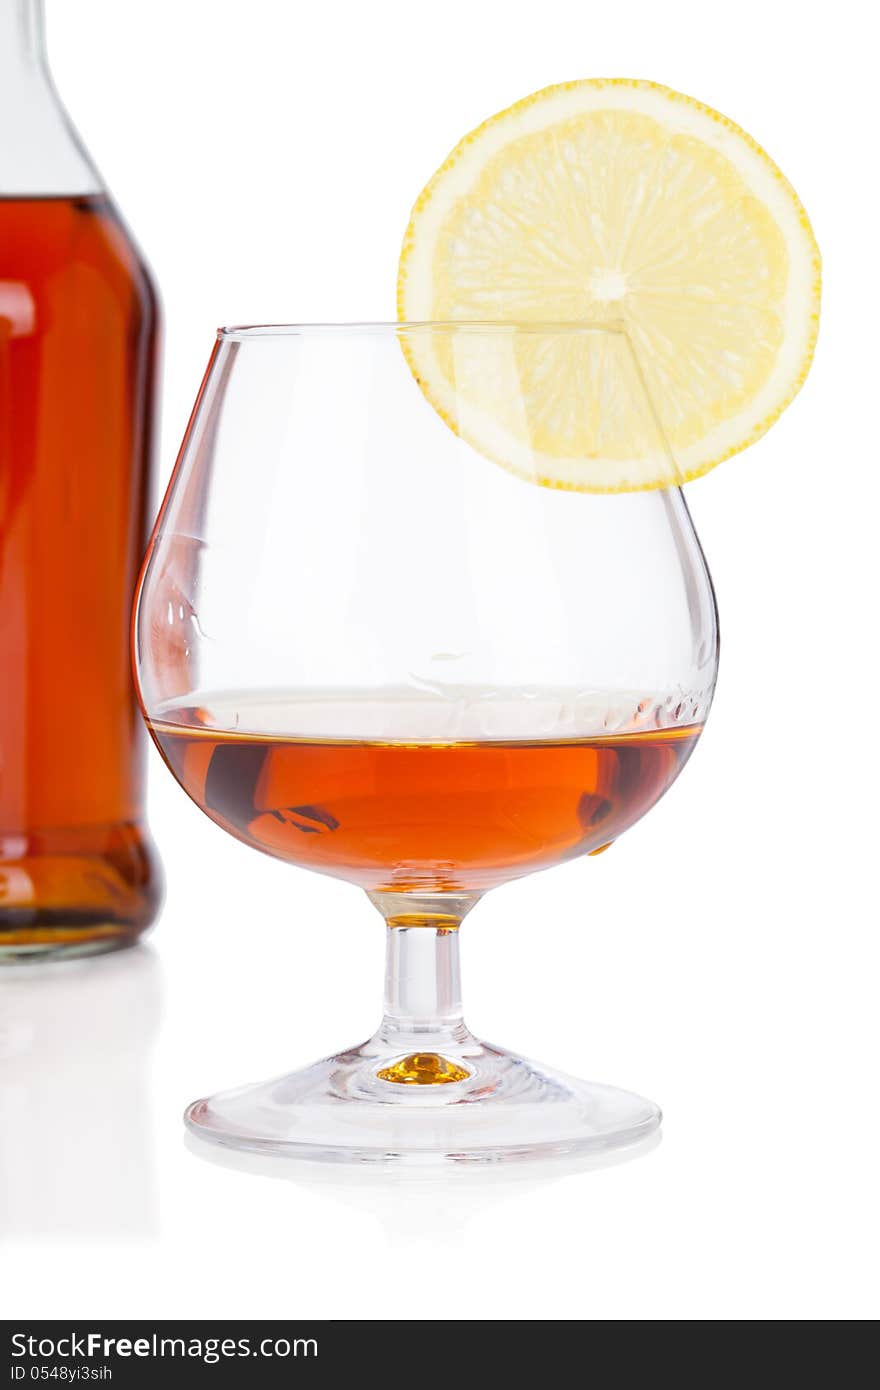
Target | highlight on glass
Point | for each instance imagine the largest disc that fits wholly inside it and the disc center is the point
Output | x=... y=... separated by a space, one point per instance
x=368 y=641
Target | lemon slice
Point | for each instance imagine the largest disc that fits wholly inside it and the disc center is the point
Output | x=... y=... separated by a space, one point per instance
x=625 y=204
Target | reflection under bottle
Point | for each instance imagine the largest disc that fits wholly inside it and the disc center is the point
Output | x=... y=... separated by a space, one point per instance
x=76 y=1135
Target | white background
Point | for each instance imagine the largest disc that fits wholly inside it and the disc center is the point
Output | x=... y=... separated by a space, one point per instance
x=722 y=958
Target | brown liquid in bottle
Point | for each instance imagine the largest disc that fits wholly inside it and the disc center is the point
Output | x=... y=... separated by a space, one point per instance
x=78 y=325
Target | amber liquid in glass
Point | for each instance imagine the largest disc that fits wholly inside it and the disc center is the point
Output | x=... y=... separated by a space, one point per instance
x=78 y=321
x=421 y=816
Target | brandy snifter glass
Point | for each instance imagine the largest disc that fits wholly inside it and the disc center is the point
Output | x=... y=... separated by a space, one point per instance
x=366 y=647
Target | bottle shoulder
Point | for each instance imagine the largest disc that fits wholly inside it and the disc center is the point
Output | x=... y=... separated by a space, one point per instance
x=46 y=156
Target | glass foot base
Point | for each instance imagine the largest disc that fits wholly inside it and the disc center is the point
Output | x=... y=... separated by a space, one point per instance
x=470 y=1102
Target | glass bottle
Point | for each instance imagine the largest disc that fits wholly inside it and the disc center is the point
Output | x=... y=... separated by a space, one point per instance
x=78 y=353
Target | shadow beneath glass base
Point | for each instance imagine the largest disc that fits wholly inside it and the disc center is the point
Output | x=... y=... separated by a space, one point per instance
x=418 y=1204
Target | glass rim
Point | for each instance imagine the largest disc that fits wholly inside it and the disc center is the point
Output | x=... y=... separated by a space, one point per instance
x=245 y=331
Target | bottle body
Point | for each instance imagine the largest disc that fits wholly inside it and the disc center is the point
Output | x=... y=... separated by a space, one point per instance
x=78 y=348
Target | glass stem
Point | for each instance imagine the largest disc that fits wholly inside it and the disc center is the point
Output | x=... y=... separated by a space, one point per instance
x=422 y=987
x=422 y=972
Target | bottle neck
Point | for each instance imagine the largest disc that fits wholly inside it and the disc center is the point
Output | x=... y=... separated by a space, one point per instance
x=22 y=40
x=40 y=153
